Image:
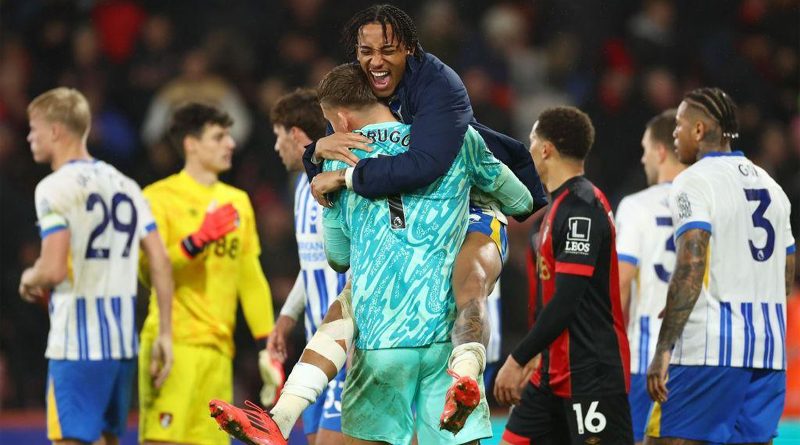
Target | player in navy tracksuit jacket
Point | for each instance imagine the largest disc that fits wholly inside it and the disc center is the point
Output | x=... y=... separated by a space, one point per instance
x=424 y=92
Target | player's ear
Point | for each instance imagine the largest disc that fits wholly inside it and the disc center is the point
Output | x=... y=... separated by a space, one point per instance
x=189 y=144
x=547 y=149
x=344 y=120
x=297 y=135
x=56 y=130
x=662 y=153
x=699 y=130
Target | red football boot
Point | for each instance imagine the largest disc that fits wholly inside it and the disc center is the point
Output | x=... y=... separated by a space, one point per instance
x=252 y=425
x=461 y=399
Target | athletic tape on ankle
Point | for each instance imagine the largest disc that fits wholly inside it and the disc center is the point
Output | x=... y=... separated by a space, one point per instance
x=324 y=344
x=306 y=381
x=468 y=351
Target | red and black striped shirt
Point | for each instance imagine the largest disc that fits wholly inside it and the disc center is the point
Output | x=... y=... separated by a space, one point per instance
x=578 y=326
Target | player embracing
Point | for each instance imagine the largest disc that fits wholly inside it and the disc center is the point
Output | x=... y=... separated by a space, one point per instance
x=718 y=373
x=423 y=91
x=402 y=250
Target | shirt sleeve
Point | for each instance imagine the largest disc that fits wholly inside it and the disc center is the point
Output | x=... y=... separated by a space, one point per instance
x=255 y=297
x=337 y=243
x=443 y=113
x=145 y=221
x=494 y=178
x=51 y=211
x=629 y=231
x=554 y=318
x=159 y=209
x=296 y=300
x=582 y=231
x=254 y=291
x=251 y=245
x=690 y=203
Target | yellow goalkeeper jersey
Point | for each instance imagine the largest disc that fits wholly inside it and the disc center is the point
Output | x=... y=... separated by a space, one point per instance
x=208 y=286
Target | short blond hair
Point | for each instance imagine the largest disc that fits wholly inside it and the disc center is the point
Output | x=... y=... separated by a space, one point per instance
x=66 y=106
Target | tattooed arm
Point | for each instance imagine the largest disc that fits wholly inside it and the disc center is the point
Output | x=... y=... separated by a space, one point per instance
x=684 y=289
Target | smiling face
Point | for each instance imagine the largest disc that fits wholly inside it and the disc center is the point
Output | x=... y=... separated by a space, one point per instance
x=381 y=58
x=214 y=148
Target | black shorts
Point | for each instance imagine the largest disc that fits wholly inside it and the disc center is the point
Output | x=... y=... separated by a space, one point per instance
x=542 y=418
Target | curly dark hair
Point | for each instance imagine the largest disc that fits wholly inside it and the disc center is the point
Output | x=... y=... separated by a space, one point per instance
x=569 y=129
x=403 y=28
x=191 y=118
x=300 y=109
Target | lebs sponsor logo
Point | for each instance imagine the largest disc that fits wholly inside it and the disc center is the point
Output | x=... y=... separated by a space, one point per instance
x=578 y=235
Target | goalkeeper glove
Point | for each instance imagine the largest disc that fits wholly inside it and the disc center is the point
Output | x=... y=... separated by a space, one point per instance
x=216 y=224
x=273 y=376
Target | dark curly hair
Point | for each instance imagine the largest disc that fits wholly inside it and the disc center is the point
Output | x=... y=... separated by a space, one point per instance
x=191 y=118
x=300 y=109
x=403 y=28
x=569 y=129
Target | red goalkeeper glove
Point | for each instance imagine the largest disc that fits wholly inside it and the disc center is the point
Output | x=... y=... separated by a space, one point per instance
x=217 y=223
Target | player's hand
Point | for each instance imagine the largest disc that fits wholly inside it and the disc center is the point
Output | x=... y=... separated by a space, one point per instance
x=509 y=380
x=657 y=376
x=216 y=224
x=276 y=343
x=272 y=375
x=28 y=292
x=529 y=369
x=161 y=359
x=327 y=182
x=337 y=147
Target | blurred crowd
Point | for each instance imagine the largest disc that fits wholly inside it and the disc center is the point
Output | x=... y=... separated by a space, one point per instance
x=622 y=61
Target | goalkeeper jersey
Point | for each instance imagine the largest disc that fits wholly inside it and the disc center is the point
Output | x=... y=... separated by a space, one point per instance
x=207 y=286
x=402 y=248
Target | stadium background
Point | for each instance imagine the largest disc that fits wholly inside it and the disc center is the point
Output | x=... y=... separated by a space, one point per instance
x=622 y=61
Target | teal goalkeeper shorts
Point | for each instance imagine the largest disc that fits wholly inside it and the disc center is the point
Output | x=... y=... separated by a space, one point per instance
x=385 y=387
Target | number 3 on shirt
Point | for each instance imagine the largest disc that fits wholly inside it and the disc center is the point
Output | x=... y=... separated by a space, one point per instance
x=761 y=254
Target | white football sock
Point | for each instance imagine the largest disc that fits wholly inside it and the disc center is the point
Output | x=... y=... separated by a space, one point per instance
x=468 y=359
x=304 y=385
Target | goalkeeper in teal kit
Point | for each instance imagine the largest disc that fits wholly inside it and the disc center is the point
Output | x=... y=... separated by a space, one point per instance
x=401 y=250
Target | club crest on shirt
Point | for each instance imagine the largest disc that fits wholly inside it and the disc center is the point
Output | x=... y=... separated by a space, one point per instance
x=578 y=235
x=165 y=419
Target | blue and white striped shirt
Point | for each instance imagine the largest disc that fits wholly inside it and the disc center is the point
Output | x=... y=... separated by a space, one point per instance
x=321 y=283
